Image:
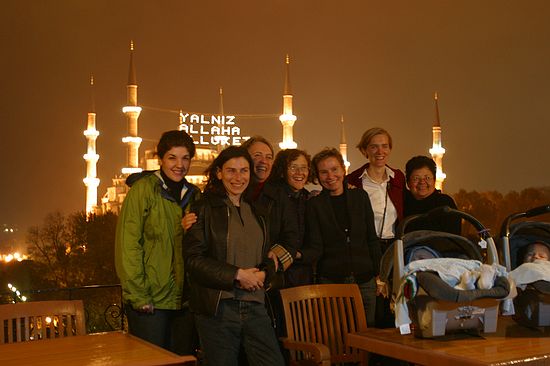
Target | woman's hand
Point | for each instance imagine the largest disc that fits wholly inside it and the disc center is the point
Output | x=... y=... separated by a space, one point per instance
x=250 y=279
x=188 y=220
x=260 y=275
x=148 y=309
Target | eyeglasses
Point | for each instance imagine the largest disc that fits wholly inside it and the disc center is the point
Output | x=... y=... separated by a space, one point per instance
x=298 y=169
x=425 y=178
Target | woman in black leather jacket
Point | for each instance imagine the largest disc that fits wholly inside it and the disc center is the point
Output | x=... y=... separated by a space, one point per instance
x=226 y=257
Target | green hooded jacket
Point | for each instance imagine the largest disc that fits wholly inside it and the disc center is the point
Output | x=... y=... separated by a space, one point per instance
x=148 y=246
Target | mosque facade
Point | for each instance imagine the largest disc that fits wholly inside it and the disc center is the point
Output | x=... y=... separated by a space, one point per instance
x=211 y=133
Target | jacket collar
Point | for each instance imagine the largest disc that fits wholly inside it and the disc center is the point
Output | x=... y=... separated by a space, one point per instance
x=186 y=191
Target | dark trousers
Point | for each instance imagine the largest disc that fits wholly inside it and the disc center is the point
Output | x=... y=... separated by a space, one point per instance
x=239 y=323
x=173 y=330
x=384 y=316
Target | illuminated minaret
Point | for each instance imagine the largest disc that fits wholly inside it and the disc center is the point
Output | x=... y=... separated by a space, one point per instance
x=91 y=181
x=132 y=111
x=343 y=144
x=219 y=146
x=437 y=149
x=221 y=101
x=287 y=118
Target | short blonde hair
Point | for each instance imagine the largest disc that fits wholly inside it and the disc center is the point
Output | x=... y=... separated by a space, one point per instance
x=369 y=134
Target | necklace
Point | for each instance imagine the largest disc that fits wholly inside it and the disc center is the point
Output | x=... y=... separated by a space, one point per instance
x=378 y=180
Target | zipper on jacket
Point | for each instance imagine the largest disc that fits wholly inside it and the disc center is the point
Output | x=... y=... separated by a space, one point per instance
x=226 y=241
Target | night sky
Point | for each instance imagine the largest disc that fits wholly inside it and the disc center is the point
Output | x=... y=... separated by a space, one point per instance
x=376 y=62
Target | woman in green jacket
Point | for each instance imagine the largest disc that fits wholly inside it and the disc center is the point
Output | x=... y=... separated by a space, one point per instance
x=148 y=252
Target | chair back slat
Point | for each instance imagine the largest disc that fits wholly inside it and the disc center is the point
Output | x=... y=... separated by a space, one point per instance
x=325 y=314
x=29 y=321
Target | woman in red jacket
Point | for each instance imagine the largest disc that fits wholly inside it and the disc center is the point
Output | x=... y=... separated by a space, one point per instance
x=385 y=187
x=384 y=184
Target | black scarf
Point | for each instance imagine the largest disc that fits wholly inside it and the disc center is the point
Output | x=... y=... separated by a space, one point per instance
x=174 y=188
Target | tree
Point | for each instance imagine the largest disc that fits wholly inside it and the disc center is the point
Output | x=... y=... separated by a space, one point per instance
x=96 y=238
x=492 y=208
x=48 y=248
x=75 y=250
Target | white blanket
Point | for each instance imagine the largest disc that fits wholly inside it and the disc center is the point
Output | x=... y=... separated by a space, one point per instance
x=530 y=272
x=448 y=269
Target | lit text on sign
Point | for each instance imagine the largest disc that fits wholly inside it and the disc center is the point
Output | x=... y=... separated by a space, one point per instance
x=211 y=129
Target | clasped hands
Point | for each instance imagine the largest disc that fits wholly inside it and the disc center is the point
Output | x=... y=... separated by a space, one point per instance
x=250 y=279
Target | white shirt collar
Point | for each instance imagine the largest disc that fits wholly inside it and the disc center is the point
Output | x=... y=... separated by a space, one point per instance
x=390 y=173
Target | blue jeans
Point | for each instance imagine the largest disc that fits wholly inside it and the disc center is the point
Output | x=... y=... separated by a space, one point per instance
x=173 y=330
x=368 y=295
x=239 y=322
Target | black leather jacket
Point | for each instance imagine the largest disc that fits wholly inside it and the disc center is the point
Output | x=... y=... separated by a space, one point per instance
x=337 y=255
x=205 y=253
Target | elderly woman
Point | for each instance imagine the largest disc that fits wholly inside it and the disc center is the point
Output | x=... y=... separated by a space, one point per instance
x=226 y=257
x=340 y=235
x=422 y=197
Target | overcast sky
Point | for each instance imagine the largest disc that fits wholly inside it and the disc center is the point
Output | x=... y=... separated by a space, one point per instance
x=376 y=62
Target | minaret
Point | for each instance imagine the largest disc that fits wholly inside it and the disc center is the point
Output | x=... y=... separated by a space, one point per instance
x=437 y=149
x=221 y=102
x=343 y=144
x=132 y=111
x=219 y=146
x=91 y=181
x=287 y=118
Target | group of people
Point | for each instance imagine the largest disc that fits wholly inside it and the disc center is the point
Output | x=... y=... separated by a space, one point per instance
x=210 y=260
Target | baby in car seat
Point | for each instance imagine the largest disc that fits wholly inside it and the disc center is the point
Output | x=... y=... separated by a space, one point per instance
x=534 y=264
x=420 y=252
x=536 y=251
x=482 y=278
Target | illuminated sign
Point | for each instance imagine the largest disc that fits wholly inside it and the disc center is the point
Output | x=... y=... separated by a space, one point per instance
x=211 y=129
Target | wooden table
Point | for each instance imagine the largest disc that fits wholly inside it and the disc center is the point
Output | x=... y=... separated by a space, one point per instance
x=111 y=348
x=510 y=345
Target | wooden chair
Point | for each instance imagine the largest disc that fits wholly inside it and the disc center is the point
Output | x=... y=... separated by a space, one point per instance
x=31 y=321
x=318 y=319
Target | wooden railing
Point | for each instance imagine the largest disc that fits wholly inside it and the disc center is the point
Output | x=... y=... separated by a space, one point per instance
x=102 y=303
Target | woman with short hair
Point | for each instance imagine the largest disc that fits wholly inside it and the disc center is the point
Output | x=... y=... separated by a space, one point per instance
x=340 y=234
x=422 y=196
x=148 y=247
x=385 y=185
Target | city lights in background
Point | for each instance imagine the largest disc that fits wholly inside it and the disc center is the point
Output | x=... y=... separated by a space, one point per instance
x=17 y=293
x=11 y=244
x=18 y=257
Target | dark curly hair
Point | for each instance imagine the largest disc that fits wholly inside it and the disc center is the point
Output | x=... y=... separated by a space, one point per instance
x=419 y=162
x=279 y=172
x=175 y=138
x=214 y=184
